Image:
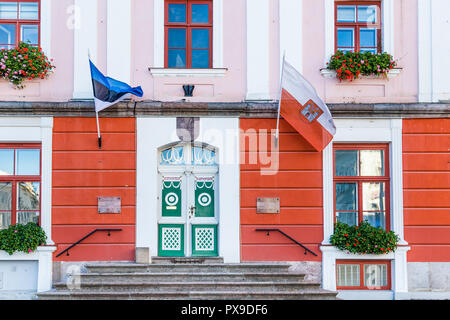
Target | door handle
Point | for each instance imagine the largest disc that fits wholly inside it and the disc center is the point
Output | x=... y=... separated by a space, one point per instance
x=192 y=211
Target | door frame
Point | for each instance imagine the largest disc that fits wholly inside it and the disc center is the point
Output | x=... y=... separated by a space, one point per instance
x=223 y=133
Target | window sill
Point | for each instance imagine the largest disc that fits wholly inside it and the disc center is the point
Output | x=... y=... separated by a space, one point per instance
x=343 y=255
x=27 y=256
x=327 y=73
x=197 y=73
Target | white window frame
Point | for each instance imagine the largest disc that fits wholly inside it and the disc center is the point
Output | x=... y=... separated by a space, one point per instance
x=366 y=131
x=35 y=130
x=158 y=68
x=387 y=25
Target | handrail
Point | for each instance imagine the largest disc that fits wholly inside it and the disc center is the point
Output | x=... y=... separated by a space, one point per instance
x=287 y=236
x=87 y=236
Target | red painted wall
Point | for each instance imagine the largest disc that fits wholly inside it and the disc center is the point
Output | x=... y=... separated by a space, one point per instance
x=298 y=184
x=81 y=173
x=426 y=183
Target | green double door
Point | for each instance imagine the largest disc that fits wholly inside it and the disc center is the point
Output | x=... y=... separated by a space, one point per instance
x=188 y=221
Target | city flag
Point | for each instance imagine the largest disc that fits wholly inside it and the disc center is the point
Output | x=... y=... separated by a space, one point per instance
x=108 y=91
x=303 y=109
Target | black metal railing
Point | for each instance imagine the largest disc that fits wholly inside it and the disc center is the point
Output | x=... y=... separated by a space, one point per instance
x=287 y=236
x=87 y=236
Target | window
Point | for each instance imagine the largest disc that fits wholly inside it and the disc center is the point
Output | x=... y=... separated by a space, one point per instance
x=20 y=182
x=188 y=34
x=363 y=275
x=19 y=21
x=361 y=184
x=358 y=26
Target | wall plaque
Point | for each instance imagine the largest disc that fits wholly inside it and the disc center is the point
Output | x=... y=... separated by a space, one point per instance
x=109 y=205
x=268 y=205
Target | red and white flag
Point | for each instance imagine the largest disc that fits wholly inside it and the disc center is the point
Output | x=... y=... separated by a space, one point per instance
x=302 y=108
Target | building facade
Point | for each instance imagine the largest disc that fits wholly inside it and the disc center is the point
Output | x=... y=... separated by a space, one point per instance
x=182 y=168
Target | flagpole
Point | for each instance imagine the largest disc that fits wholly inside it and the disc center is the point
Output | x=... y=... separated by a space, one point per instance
x=98 y=132
x=277 y=132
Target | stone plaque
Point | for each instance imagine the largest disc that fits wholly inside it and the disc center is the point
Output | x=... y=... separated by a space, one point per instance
x=268 y=205
x=109 y=205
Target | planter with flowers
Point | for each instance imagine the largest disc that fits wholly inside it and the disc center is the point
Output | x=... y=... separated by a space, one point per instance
x=364 y=239
x=354 y=65
x=22 y=238
x=24 y=62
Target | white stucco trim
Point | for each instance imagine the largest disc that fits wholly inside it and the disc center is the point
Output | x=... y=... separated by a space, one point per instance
x=159 y=39
x=29 y=130
x=425 y=50
x=291 y=19
x=387 y=14
x=366 y=131
x=258 y=57
x=45 y=267
x=193 y=73
x=227 y=129
x=118 y=58
x=46 y=27
x=85 y=42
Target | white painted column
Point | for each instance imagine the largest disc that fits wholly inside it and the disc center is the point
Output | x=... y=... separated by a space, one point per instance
x=258 y=60
x=118 y=58
x=46 y=26
x=46 y=176
x=425 y=67
x=388 y=27
x=329 y=29
x=158 y=34
x=85 y=41
x=291 y=32
x=328 y=194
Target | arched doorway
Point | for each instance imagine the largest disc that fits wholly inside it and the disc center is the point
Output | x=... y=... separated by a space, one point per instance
x=188 y=217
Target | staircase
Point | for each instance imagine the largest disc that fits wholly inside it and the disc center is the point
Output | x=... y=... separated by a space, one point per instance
x=189 y=279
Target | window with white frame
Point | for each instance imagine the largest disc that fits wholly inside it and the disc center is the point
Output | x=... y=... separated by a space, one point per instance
x=363 y=275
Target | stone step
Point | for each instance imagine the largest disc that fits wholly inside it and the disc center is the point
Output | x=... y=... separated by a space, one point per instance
x=191 y=295
x=186 y=267
x=187 y=260
x=197 y=286
x=188 y=276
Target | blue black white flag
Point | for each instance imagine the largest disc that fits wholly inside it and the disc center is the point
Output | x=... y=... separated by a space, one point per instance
x=108 y=91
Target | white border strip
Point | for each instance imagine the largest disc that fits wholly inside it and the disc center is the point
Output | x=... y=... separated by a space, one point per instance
x=291 y=29
x=119 y=40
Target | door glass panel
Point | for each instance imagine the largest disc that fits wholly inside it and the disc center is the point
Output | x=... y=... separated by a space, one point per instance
x=204 y=197
x=203 y=156
x=372 y=163
x=172 y=156
x=346 y=163
x=171 y=197
x=373 y=196
x=6 y=162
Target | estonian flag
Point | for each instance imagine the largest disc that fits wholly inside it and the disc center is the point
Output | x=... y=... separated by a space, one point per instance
x=108 y=91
